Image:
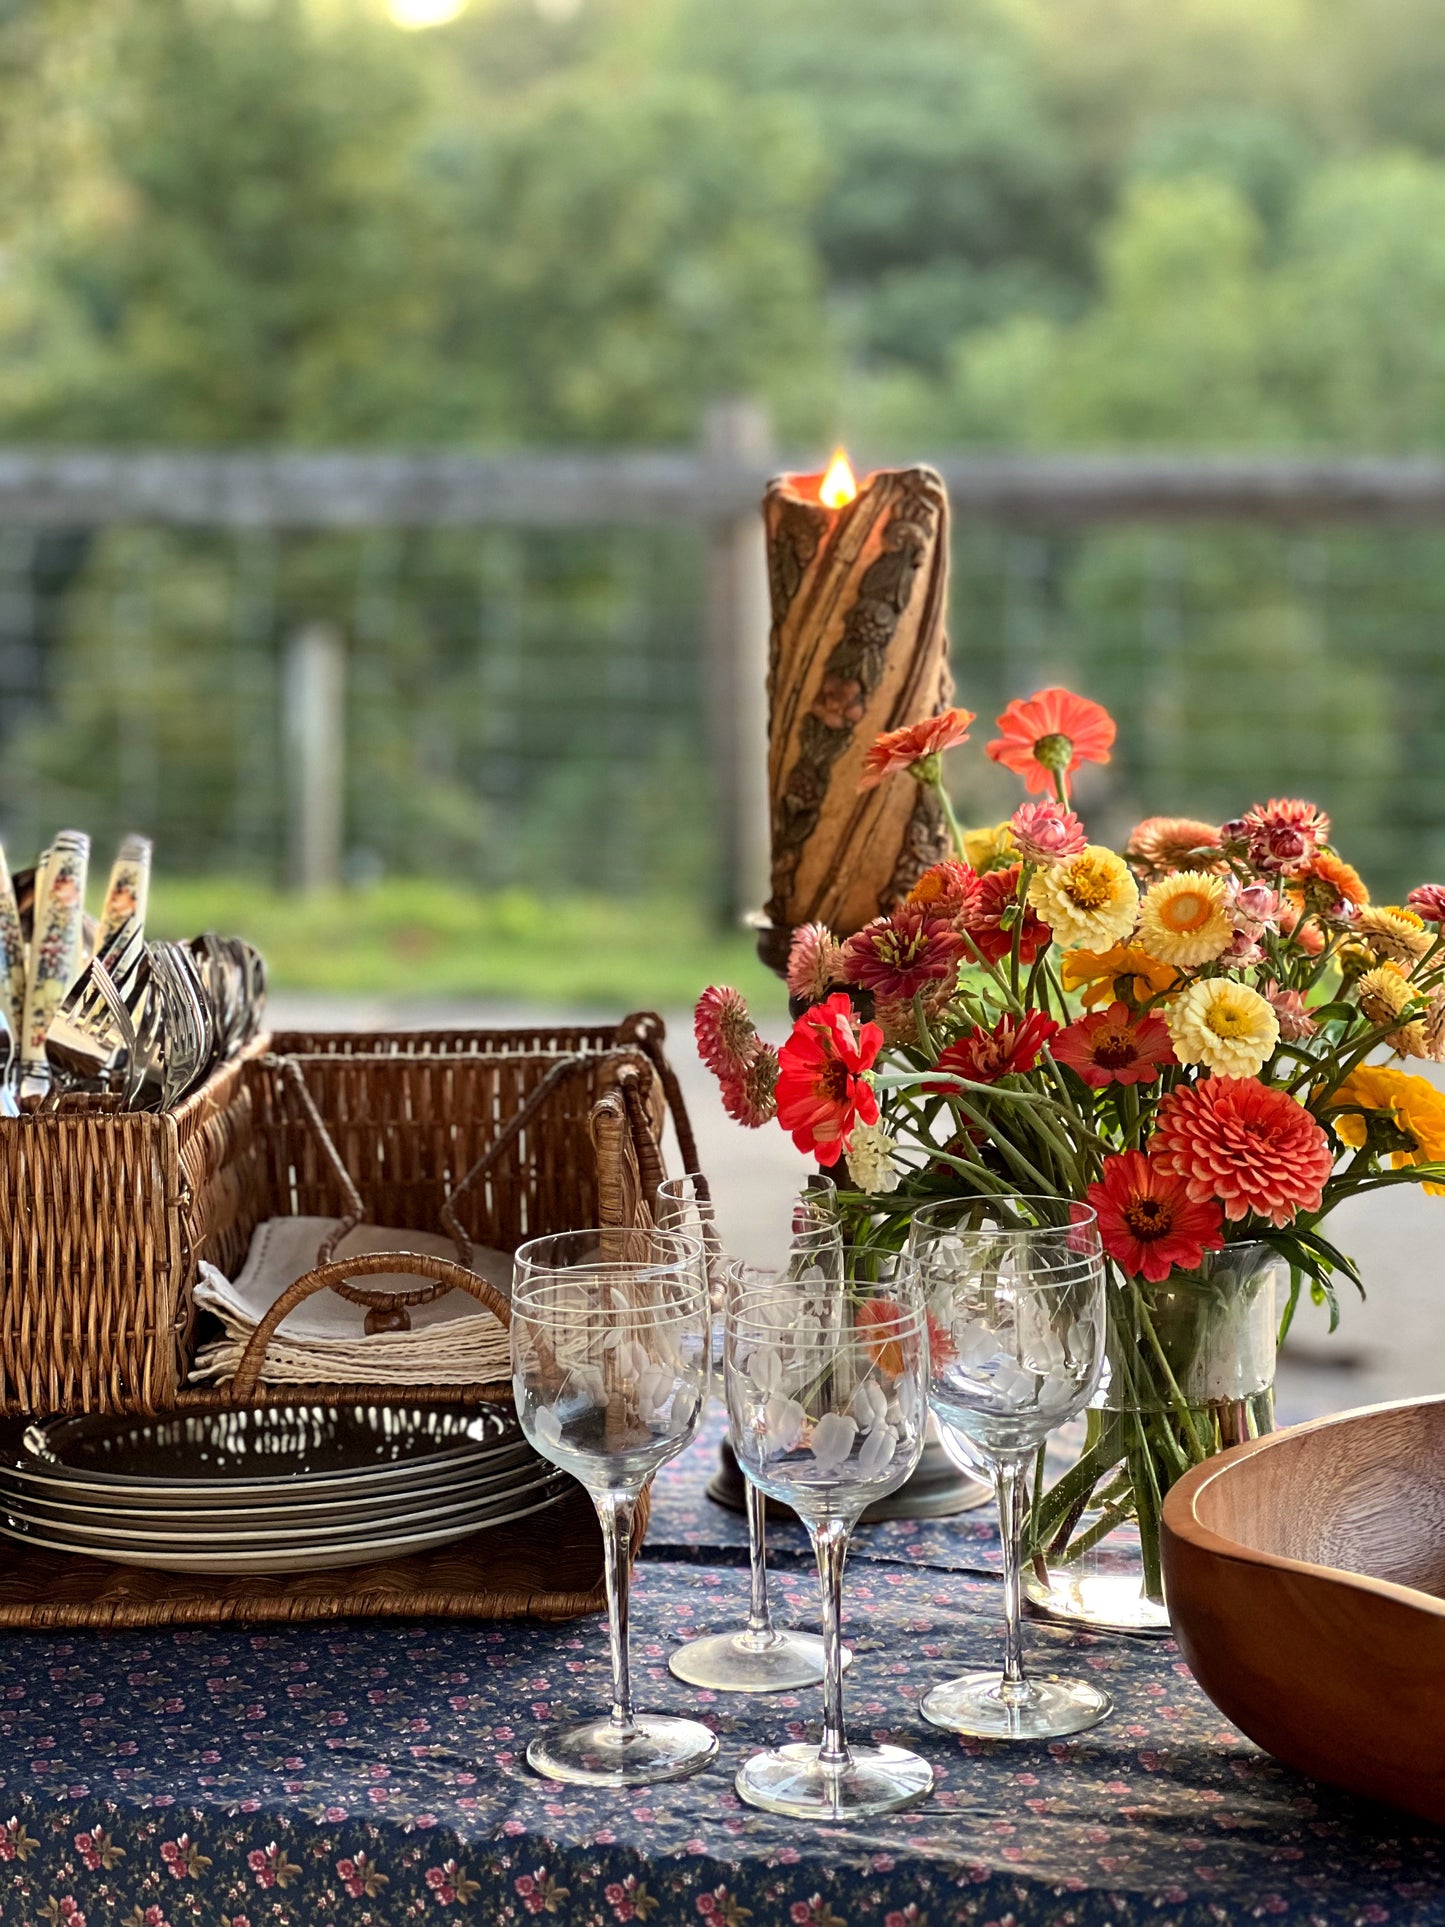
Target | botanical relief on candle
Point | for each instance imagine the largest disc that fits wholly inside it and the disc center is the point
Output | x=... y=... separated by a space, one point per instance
x=857 y=647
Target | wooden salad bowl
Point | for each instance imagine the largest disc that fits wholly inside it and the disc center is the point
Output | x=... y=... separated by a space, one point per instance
x=1306 y=1582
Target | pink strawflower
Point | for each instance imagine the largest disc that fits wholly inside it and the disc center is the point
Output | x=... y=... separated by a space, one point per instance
x=727 y=1040
x=1283 y=834
x=1249 y=1145
x=1047 y=833
x=1295 y=1022
x=900 y=956
x=751 y=1097
x=815 y=962
x=1242 y=952
x=1428 y=901
x=1255 y=908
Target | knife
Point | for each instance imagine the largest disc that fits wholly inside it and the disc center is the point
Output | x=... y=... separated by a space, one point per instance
x=128 y=889
x=12 y=952
x=55 y=948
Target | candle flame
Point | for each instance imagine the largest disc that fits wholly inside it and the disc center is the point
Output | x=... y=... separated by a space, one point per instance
x=839 y=486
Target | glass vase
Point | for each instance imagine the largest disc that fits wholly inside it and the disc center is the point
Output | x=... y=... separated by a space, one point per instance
x=1190 y=1371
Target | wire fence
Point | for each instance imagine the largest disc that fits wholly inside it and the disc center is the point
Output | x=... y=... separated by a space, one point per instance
x=531 y=705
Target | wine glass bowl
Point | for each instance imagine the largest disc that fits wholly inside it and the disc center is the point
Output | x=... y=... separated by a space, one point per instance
x=610 y=1362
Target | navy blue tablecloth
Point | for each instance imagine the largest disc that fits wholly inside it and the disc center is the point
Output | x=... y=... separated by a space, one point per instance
x=373 y=1773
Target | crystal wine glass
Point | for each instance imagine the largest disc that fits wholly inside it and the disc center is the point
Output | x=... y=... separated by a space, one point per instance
x=610 y=1363
x=827 y=1402
x=1016 y=1323
x=759 y=1657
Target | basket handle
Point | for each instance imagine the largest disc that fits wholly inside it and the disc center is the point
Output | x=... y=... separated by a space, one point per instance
x=442 y=1271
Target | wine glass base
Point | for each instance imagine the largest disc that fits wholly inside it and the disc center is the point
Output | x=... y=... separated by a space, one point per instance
x=790 y=1779
x=744 y=1662
x=595 y=1753
x=975 y=1705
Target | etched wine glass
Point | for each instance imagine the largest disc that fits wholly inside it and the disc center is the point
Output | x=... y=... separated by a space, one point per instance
x=1016 y=1321
x=827 y=1403
x=760 y=1657
x=610 y=1362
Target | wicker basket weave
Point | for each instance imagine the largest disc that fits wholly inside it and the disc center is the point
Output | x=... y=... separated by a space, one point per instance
x=104 y=1218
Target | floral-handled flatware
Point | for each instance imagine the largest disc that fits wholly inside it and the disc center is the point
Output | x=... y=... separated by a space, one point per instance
x=127 y=892
x=55 y=948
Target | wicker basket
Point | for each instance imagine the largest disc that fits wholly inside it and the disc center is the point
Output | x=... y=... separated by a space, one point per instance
x=104 y=1218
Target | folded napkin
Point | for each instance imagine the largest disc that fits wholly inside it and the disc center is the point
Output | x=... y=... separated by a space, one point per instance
x=454 y=1339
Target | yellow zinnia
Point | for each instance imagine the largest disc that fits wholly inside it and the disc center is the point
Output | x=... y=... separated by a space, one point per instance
x=1089 y=901
x=1415 y=1107
x=1223 y=1025
x=1184 y=919
x=990 y=849
x=1123 y=971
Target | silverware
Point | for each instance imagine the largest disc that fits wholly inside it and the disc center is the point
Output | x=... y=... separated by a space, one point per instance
x=55 y=948
x=128 y=891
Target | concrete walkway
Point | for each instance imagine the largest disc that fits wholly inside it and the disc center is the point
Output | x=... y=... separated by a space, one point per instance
x=1392 y=1346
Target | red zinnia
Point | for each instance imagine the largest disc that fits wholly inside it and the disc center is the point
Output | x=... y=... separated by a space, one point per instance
x=948 y=890
x=1253 y=1147
x=821 y=1094
x=997 y=898
x=1051 y=734
x=1115 y=1046
x=985 y=1056
x=896 y=957
x=1148 y=1222
x=899 y=749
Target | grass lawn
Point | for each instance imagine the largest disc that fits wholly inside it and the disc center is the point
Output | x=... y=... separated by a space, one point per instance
x=430 y=940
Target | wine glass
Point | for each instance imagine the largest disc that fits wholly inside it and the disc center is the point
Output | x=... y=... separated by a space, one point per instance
x=827 y=1402
x=1016 y=1324
x=610 y=1363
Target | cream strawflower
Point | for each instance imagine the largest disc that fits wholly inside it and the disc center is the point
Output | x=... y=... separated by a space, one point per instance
x=1386 y=993
x=1184 y=919
x=870 y=1160
x=1089 y=901
x=1223 y=1025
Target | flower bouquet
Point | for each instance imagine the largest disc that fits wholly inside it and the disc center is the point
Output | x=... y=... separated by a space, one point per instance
x=1200 y=1036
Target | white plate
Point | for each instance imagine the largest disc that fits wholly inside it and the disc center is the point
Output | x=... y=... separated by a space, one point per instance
x=330 y=1451
x=302 y=1558
x=140 y=1511
x=246 y=1532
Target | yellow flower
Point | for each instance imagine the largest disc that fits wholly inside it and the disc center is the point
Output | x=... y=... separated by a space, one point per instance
x=990 y=849
x=1397 y=935
x=1385 y=993
x=1223 y=1025
x=1089 y=901
x=1122 y=971
x=1183 y=919
x=1416 y=1108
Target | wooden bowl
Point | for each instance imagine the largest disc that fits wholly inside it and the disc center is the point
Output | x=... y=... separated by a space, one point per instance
x=1306 y=1582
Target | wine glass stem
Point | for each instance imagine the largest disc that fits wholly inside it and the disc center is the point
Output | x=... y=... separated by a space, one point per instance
x=1013 y=1689
x=830 y=1548
x=760 y=1622
x=615 y=1510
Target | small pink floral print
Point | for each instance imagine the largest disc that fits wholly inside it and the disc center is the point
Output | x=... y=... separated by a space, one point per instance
x=97 y=1849
x=152 y=1917
x=63 y=1913
x=361 y=1876
x=449 y=1883
x=814 y=1913
x=628 y=1900
x=908 y=1916
x=720 y=1907
x=271 y=1867
x=183 y=1860
x=539 y=1892
x=15 y=1842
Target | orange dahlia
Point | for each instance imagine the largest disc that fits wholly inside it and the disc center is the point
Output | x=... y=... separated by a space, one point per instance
x=923 y=743
x=1149 y=1223
x=1253 y=1147
x=1045 y=738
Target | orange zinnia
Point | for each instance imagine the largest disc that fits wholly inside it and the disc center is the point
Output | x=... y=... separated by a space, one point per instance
x=898 y=749
x=1050 y=735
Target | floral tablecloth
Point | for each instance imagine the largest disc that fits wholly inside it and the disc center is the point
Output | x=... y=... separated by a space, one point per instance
x=372 y=1773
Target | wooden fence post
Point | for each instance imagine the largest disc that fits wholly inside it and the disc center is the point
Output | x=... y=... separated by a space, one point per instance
x=739 y=433
x=313 y=695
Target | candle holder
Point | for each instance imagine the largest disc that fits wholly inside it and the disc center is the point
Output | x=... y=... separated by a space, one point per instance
x=859 y=588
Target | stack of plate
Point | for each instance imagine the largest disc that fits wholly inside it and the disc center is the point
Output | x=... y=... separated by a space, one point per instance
x=285 y=1488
